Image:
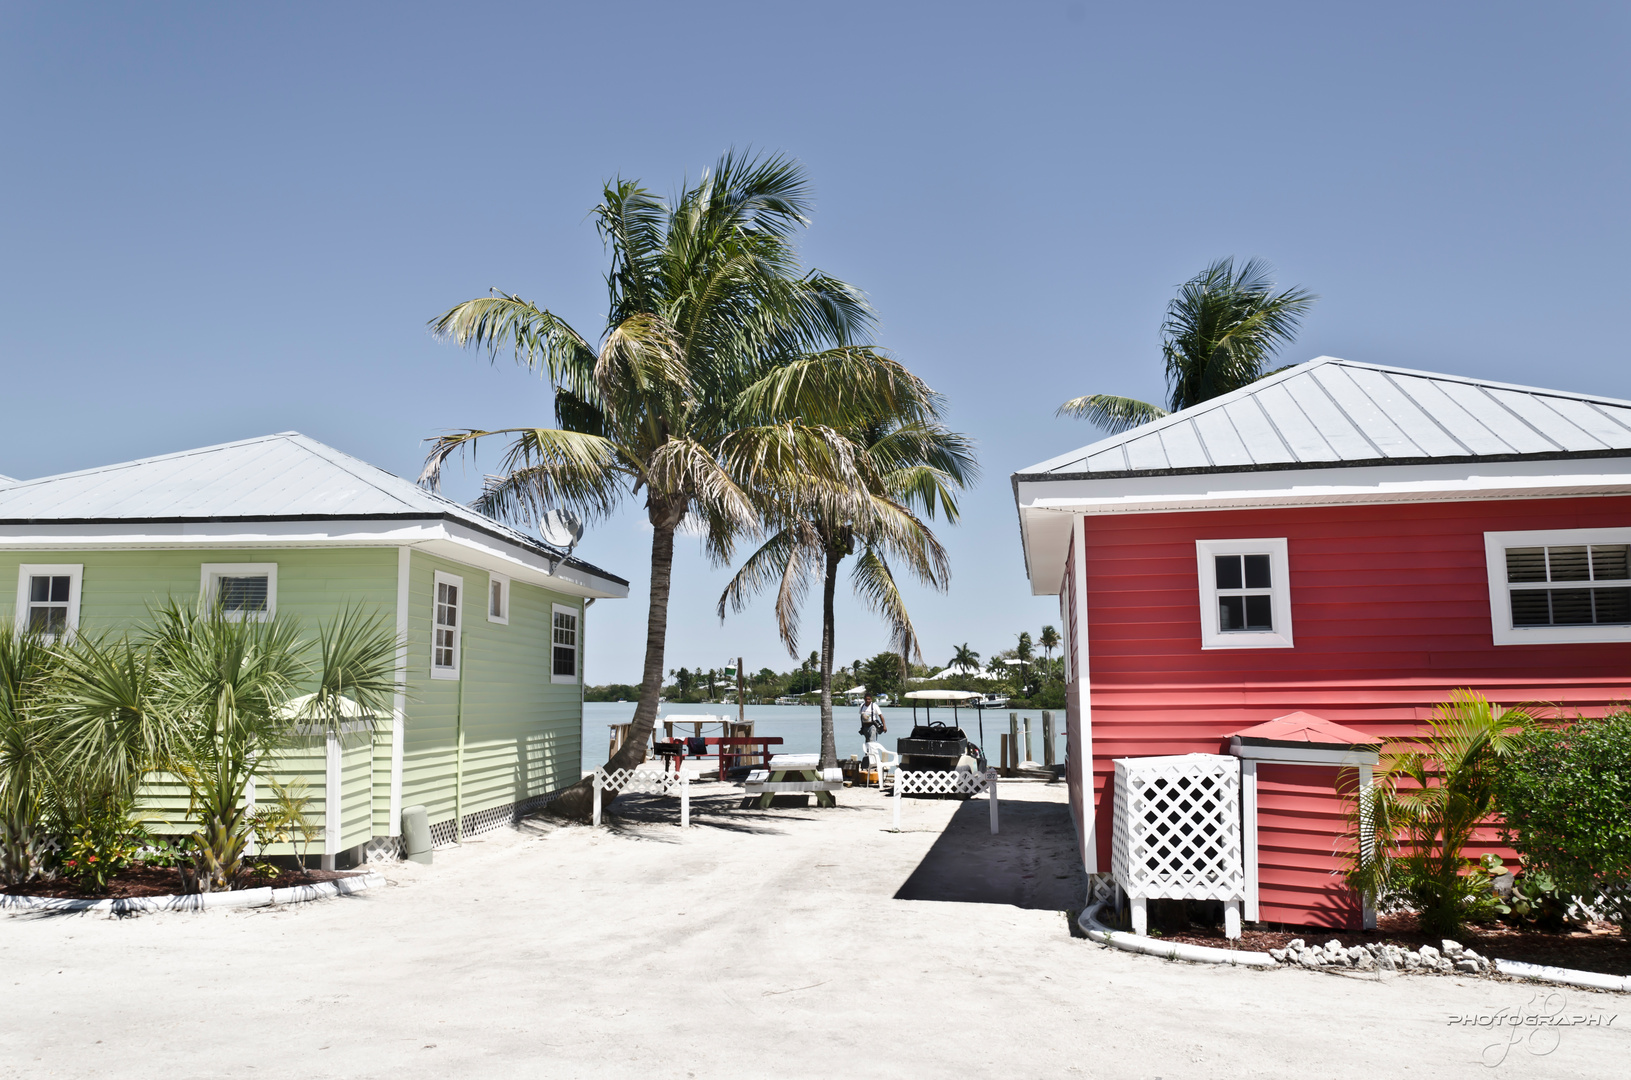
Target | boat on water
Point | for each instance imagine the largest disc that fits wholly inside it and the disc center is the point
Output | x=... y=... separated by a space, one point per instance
x=990 y=701
x=788 y=701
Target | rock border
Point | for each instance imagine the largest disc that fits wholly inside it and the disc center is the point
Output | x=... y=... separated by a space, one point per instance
x=237 y=898
x=1384 y=956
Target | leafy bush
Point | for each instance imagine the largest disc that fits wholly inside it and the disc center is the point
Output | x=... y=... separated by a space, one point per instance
x=101 y=846
x=1431 y=791
x=1565 y=797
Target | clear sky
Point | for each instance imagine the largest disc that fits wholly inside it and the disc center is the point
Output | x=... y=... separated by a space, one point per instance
x=219 y=221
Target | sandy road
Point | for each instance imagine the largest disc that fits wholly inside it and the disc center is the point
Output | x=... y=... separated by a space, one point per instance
x=793 y=942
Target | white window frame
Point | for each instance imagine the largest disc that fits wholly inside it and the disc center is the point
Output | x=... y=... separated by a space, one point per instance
x=209 y=573
x=439 y=579
x=75 y=572
x=577 y=644
x=1279 y=590
x=1500 y=600
x=503 y=584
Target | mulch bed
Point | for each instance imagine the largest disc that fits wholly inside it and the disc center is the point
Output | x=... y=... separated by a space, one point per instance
x=157 y=881
x=1599 y=947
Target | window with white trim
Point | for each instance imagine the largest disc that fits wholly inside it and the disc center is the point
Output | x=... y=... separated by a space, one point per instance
x=1559 y=587
x=1245 y=590
x=498 y=598
x=48 y=599
x=446 y=626
x=242 y=590
x=564 y=644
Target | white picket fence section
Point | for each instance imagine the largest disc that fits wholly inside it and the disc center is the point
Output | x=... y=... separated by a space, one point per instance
x=946 y=783
x=642 y=782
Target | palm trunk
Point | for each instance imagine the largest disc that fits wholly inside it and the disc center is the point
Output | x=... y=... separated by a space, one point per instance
x=829 y=745
x=577 y=801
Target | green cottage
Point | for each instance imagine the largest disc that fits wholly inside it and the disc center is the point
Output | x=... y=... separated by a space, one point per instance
x=488 y=714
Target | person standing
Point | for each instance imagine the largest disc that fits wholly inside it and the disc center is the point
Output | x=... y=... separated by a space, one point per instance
x=872 y=724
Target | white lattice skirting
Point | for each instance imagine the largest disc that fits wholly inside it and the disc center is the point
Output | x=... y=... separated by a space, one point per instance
x=449 y=832
x=1177 y=833
x=641 y=782
x=961 y=782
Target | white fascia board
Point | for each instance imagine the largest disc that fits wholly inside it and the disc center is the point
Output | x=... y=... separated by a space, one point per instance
x=1312 y=755
x=1046 y=506
x=452 y=540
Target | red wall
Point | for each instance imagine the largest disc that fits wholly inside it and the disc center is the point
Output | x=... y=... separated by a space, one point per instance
x=1300 y=824
x=1390 y=612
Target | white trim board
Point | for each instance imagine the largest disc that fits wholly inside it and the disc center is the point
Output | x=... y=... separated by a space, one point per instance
x=74 y=572
x=1212 y=637
x=208 y=572
x=1500 y=600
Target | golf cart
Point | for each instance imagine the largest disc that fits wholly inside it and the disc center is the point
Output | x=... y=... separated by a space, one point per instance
x=935 y=746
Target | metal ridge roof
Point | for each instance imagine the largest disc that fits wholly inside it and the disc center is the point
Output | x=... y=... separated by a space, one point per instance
x=283 y=477
x=1332 y=413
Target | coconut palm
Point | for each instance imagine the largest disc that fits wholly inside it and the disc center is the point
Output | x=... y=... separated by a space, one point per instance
x=721 y=374
x=907 y=464
x=28 y=772
x=965 y=657
x=1221 y=332
x=1049 y=640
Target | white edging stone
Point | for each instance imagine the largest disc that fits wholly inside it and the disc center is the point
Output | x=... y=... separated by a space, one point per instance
x=1169 y=950
x=1591 y=980
x=238 y=898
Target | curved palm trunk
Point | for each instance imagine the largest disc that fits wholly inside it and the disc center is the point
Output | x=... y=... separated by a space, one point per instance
x=577 y=801
x=829 y=745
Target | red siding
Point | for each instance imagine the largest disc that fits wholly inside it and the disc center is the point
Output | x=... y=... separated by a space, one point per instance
x=1390 y=611
x=1074 y=768
x=1301 y=821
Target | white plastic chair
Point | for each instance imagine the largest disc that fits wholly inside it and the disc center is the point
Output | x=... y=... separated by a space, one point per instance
x=885 y=761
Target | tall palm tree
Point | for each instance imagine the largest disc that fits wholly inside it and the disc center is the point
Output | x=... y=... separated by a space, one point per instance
x=1049 y=640
x=907 y=462
x=965 y=657
x=722 y=373
x=1220 y=333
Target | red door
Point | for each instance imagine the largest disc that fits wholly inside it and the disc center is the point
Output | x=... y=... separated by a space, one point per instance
x=1301 y=825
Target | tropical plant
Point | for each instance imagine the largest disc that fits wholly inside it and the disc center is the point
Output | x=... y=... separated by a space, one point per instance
x=964 y=657
x=1049 y=640
x=1221 y=332
x=722 y=373
x=883 y=673
x=103 y=843
x=292 y=801
x=908 y=464
x=1431 y=791
x=28 y=776
x=1565 y=800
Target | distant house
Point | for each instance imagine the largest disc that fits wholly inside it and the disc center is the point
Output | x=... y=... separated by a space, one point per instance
x=488 y=715
x=1294 y=570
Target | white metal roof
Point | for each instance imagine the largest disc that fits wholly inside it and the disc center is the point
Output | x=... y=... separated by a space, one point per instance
x=283 y=477
x=1336 y=412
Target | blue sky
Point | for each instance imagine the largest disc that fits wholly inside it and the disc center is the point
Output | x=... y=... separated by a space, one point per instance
x=222 y=221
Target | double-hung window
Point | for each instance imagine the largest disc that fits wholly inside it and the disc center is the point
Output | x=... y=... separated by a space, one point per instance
x=1560 y=587
x=48 y=599
x=446 y=626
x=1245 y=594
x=564 y=644
x=241 y=590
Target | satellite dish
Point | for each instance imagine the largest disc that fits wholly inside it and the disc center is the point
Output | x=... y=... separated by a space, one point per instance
x=561 y=529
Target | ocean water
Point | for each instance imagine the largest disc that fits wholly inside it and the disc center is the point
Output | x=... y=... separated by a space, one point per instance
x=799 y=726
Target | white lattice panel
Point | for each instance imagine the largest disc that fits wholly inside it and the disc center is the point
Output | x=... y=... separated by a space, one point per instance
x=942 y=783
x=1177 y=828
x=636 y=781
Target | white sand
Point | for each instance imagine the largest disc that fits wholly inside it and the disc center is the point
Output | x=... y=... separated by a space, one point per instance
x=758 y=944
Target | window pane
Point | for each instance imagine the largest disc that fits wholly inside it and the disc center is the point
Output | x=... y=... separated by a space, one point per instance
x=566 y=629
x=242 y=593
x=1259 y=613
x=566 y=661
x=1571 y=607
x=1609 y=562
x=48 y=620
x=1568 y=564
x=59 y=590
x=1526 y=564
x=496 y=604
x=1257 y=571
x=39 y=589
x=1612 y=605
x=1530 y=608
x=1228 y=569
x=1231 y=613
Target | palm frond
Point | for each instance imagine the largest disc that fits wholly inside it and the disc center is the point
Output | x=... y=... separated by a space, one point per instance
x=537 y=338
x=544 y=468
x=1113 y=414
x=875 y=585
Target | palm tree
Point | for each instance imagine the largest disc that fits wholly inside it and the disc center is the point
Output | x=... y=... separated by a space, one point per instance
x=965 y=657
x=1049 y=640
x=1220 y=333
x=907 y=462
x=720 y=375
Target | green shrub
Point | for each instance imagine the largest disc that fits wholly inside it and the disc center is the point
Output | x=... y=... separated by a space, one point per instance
x=1565 y=797
x=106 y=842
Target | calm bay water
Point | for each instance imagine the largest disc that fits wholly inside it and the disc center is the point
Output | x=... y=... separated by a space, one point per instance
x=799 y=726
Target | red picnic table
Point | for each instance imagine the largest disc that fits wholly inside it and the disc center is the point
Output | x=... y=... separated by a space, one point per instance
x=730 y=748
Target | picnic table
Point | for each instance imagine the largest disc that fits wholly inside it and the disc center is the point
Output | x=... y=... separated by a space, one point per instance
x=792 y=773
x=730 y=748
